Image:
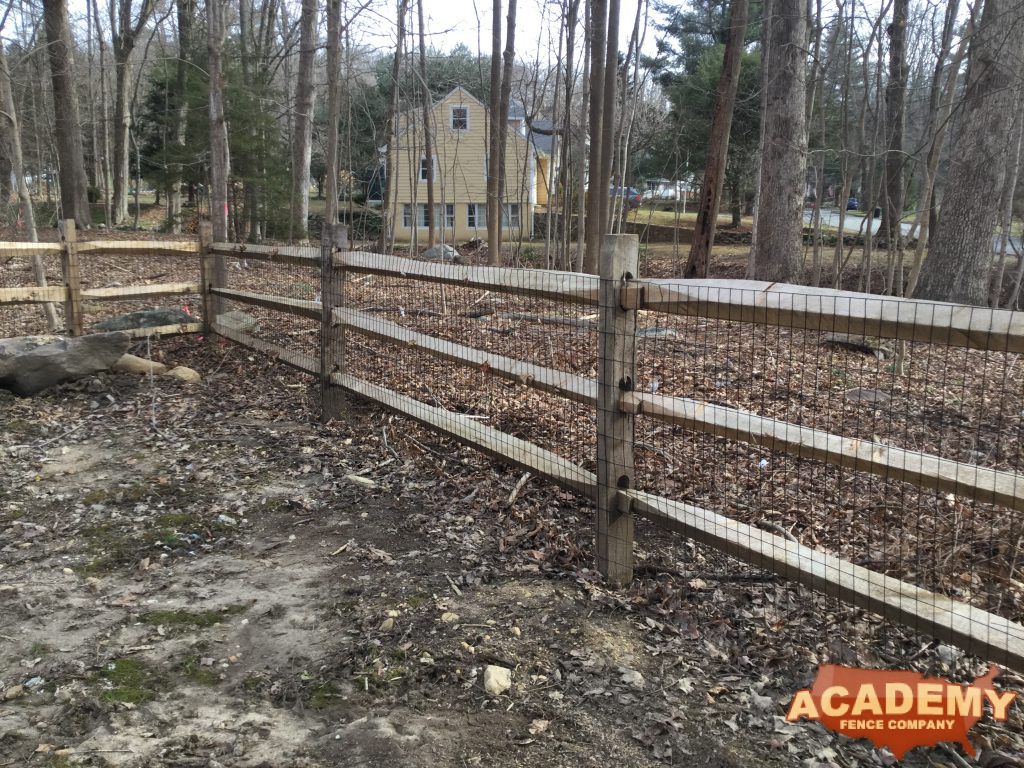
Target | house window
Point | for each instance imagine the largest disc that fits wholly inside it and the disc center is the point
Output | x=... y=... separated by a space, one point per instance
x=460 y=118
x=407 y=216
x=476 y=216
x=510 y=216
x=449 y=215
x=421 y=216
x=424 y=166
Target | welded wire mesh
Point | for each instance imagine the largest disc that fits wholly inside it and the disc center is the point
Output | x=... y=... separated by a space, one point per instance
x=293 y=325
x=853 y=444
x=16 y=271
x=461 y=349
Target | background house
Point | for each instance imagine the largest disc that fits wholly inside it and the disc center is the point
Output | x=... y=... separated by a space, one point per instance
x=459 y=130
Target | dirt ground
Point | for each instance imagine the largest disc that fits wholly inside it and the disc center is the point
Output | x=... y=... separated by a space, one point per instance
x=202 y=575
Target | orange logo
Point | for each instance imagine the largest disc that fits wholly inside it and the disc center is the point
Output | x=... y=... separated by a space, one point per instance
x=898 y=710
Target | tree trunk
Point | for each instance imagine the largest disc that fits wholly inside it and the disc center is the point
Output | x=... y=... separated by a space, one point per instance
x=333 y=108
x=503 y=105
x=74 y=185
x=776 y=254
x=219 y=157
x=718 y=146
x=186 y=10
x=428 y=145
x=596 y=193
x=494 y=142
x=125 y=32
x=895 y=120
x=302 y=151
x=957 y=265
x=18 y=169
x=390 y=134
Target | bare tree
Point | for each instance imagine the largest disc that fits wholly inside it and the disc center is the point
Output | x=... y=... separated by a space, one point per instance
x=494 y=148
x=220 y=159
x=74 y=185
x=956 y=268
x=10 y=113
x=389 y=128
x=125 y=32
x=428 y=145
x=895 y=123
x=179 y=119
x=302 y=149
x=718 y=145
x=776 y=251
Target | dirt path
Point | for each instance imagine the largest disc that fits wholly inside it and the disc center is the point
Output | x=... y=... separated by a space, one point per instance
x=199 y=576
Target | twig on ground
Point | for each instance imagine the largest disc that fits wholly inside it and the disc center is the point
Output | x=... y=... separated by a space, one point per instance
x=455 y=587
x=518 y=487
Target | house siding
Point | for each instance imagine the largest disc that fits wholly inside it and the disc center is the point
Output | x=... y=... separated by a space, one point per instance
x=461 y=162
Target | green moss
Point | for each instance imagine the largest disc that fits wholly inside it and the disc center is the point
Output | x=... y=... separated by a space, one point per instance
x=323 y=695
x=193 y=669
x=39 y=648
x=96 y=497
x=182 y=618
x=130 y=681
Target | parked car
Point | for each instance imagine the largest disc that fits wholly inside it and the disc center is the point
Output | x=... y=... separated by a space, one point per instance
x=630 y=197
x=852 y=204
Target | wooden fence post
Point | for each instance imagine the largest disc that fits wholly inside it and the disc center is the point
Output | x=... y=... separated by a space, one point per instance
x=616 y=374
x=332 y=338
x=72 y=279
x=206 y=274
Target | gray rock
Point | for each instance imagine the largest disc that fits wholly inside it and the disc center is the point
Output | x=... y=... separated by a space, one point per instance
x=442 y=253
x=657 y=333
x=864 y=344
x=864 y=395
x=241 y=322
x=146 y=318
x=30 y=364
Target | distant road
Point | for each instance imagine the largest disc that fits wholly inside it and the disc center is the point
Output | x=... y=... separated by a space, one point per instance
x=859 y=224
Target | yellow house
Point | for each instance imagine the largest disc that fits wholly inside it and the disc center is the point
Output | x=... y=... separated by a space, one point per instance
x=459 y=128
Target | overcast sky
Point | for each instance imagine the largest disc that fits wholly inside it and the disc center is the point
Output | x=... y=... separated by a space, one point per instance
x=450 y=22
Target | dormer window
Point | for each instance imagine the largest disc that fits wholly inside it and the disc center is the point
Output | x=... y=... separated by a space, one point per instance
x=460 y=118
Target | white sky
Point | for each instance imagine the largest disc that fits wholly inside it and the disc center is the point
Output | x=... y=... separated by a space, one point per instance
x=450 y=22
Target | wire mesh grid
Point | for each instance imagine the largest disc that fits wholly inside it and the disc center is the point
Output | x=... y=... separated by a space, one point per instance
x=463 y=350
x=860 y=446
x=113 y=276
x=295 y=327
x=17 y=271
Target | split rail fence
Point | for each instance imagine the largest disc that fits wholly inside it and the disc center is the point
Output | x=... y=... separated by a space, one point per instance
x=74 y=297
x=706 y=408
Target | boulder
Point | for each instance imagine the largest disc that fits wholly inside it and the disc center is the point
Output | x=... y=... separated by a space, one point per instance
x=146 y=318
x=185 y=374
x=240 y=322
x=30 y=364
x=442 y=252
x=133 y=364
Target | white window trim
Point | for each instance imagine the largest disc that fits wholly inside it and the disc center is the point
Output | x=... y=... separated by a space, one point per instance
x=419 y=173
x=451 y=118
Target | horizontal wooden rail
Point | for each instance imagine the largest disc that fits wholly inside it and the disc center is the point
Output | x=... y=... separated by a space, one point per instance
x=973 y=629
x=493 y=442
x=165 y=330
x=33 y=295
x=922 y=469
x=11 y=250
x=577 y=388
x=280 y=303
x=541 y=283
x=140 y=291
x=821 y=309
x=305 y=363
x=303 y=257
x=139 y=247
